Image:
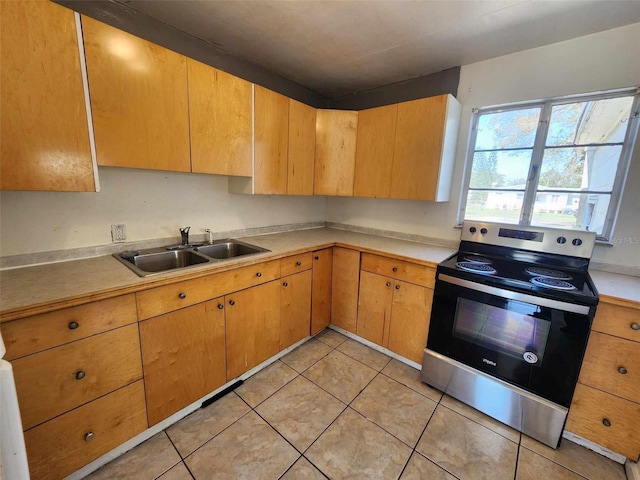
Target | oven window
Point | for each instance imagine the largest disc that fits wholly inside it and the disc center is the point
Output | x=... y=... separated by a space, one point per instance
x=514 y=331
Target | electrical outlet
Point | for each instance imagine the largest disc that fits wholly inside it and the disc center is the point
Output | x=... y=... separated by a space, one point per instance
x=118 y=233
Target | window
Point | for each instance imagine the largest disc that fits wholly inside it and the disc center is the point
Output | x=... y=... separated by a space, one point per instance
x=558 y=163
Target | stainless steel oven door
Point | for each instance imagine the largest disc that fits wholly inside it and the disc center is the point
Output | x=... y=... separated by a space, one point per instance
x=534 y=343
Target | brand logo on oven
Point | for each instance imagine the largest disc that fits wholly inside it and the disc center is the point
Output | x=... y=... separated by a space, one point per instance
x=489 y=362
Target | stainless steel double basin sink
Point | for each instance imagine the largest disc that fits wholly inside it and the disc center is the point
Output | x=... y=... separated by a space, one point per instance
x=160 y=260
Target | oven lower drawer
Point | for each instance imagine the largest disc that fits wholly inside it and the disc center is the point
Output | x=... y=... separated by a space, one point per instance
x=528 y=413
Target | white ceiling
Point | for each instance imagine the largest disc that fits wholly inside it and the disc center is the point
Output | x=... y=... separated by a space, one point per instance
x=336 y=48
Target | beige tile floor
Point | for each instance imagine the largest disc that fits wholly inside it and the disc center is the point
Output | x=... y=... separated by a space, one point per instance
x=334 y=408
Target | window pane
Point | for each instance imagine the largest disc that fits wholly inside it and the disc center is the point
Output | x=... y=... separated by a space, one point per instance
x=601 y=121
x=571 y=210
x=494 y=206
x=510 y=129
x=500 y=169
x=587 y=168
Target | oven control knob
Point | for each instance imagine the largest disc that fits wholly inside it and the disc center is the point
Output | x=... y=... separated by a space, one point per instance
x=577 y=242
x=473 y=229
x=561 y=240
x=483 y=231
x=530 y=357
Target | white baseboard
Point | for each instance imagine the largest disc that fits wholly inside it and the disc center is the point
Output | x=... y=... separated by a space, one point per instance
x=605 y=452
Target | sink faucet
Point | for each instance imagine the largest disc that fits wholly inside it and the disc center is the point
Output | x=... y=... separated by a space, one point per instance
x=210 y=232
x=184 y=233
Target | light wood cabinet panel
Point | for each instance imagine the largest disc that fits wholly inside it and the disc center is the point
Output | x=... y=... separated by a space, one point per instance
x=138 y=100
x=612 y=364
x=37 y=333
x=44 y=135
x=374 y=308
x=271 y=142
x=617 y=320
x=183 y=357
x=589 y=410
x=374 y=151
x=296 y=263
x=220 y=121
x=253 y=327
x=399 y=269
x=424 y=151
x=344 y=290
x=321 y=290
x=60 y=446
x=77 y=373
x=336 y=132
x=295 y=308
x=302 y=148
x=411 y=311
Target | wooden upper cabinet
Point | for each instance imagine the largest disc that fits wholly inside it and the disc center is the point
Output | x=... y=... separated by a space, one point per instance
x=425 y=142
x=220 y=120
x=271 y=142
x=335 y=152
x=138 y=100
x=44 y=134
x=302 y=148
x=374 y=151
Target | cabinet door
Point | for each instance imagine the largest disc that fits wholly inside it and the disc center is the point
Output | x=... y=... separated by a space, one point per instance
x=183 y=355
x=345 y=279
x=418 y=148
x=271 y=142
x=374 y=308
x=253 y=327
x=295 y=308
x=374 y=151
x=138 y=100
x=410 y=314
x=302 y=148
x=335 y=152
x=321 y=290
x=44 y=135
x=220 y=121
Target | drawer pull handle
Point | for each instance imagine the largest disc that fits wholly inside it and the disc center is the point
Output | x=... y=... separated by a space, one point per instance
x=298 y=264
x=182 y=295
x=258 y=274
x=80 y=375
x=622 y=370
x=285 y=284
x=89 y=436
x=232 y=302
x=388 y=284
x=635 y=326
x=220 y=306
x=316 y=258
x=394 y=269
x=397 y=287
x=606 y=422
x=73 y=325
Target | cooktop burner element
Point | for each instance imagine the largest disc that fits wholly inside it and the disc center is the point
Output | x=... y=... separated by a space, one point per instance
x=476 y=259
x=552 y=283
x=476 y=267
x=546 y=272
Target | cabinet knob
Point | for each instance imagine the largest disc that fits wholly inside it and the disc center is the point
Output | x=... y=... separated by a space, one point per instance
x=635 y=326
x=285 y=284
x=397 y=287
x=258 y=274
x=220 y=306
x=80 y=375
x=182 y=295
x=606 y=422
x=73 y=325
x=394 y=269
x=622 y=370
x=388 y=284
x=298 y=264
x=89 y=436
x=316 y=258
x=232 y=302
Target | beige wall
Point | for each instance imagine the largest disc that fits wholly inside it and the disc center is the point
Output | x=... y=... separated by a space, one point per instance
x=151 y=204
x=601 y=61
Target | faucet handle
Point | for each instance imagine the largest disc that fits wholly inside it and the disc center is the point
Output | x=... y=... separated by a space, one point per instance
x=184 y=233
x=185 y=230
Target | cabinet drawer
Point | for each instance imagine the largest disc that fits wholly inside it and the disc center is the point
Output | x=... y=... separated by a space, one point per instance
x=168 y=298
x=591 y=409
x=619 y=321
x=60 y=446
x=400 y=270
x=295 y=264
x=612 y=364
x=54 y=381
x=37 y=333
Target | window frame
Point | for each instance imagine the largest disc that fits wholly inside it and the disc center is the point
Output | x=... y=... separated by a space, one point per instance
x=538 y=149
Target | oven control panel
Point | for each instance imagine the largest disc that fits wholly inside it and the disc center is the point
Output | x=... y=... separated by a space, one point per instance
x=575 y=243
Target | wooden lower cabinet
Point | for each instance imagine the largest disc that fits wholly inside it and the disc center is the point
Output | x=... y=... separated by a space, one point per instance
x=374 y=308
x=68 y=442
x=295 y=308
x=321 y=290
x=253 y=327
x=344 y=289
x=183 y=356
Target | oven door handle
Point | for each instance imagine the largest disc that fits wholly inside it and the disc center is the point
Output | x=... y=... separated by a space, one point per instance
x=522 y=297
